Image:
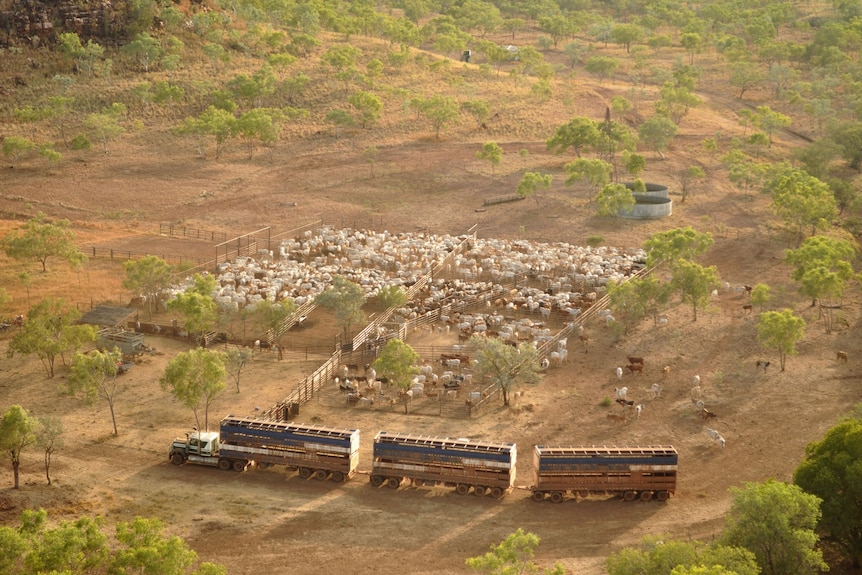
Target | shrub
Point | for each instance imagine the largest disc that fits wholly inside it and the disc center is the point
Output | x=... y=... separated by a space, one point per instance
x=80 y=142
x=595 y=241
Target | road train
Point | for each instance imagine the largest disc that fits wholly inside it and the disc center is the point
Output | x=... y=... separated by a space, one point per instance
x=480 y=467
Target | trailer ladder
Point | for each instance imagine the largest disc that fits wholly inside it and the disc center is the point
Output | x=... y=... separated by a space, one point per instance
x=265 y=425
x=442 y=442
x=656 y=450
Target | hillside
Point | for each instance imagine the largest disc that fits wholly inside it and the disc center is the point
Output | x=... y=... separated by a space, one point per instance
x=323 y=157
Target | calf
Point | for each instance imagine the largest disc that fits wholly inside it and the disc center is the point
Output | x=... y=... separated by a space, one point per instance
x=636 y=368
x=762 y=364
x=707 y=414
x=841 y=356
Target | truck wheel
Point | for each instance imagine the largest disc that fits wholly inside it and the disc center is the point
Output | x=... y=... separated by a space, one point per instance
x=479 y=490
x=583 y=493
x=496 y=492
x=557 y=497
x=393 y=482
x=239 y=466
x=662 y=495
x=376 y=480
x=337 y=476
x=646 y=495
x=224 y=464
x=177 y=458
x=418 y=483
x=321 y=474
x=305 y=472
x=538 y=496
x=629 y=495
x=462 y=489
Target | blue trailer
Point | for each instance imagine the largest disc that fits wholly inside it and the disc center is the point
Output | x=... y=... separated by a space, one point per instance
x=312 y=450
x=629 y=472
x=484 y=467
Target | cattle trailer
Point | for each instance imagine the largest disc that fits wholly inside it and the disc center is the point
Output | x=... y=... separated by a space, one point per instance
x=312 y=450
x=630 y=472
x=484 y=467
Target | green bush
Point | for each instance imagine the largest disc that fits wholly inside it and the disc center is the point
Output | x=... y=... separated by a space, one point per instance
x=606 y=401
x=595 y=241
x=81 y=142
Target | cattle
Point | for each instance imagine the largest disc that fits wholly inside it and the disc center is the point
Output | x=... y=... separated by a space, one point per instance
x=635 y=368
x=841 y=356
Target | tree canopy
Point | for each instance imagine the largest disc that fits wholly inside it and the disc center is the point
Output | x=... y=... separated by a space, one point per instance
x=506 y=366
x=660 y=555
x=776 y=522
x=94 y=375
x=397 y=362
x=492 y=153
x=821 y=265
x=579 y=134
x=17 y=432
x=50 y=330
x=694 y=283
x=832 y=471
x=802 y=201
x=344 y=299
x=195 y=378
x=40 y=239
x=513 y=556
x=83 y=546
x=615 y=200
x=532 y=182
x=147 y=276
x=781 y=330
x=677 y=244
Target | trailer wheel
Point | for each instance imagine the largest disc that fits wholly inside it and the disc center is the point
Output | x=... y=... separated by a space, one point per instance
x=321 y=474
x=629 y=495
x=496 y=492
x=462 y=489
x=224 y=464
x=557 y=497
x=239 y=465
x=583 y=493
x=538 y=496
x=376 y=480
x=393 y=482
x=646 y=495
x=337 y=476
x=479 y=490
x=662 y=495
x=177 y=458
x=418 y=483
x=305 y=472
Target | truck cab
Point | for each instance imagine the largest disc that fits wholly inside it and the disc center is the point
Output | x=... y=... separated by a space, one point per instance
x=197 y=447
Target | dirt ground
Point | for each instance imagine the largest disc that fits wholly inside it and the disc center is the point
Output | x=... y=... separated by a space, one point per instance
x=263 y=521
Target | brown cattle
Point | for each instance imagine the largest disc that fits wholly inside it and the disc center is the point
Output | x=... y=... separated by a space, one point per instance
x=841 y=356
x=636 y=368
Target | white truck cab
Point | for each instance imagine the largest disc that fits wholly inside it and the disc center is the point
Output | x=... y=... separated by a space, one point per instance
x=198 y=447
